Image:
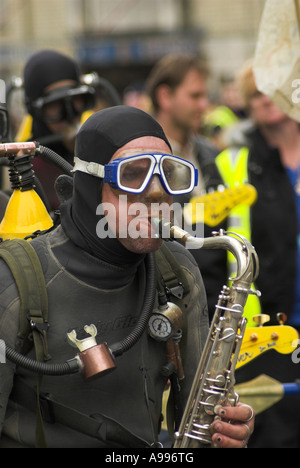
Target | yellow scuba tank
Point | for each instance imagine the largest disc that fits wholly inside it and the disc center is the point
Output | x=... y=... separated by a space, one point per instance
x=25 y=131
x=25 y=212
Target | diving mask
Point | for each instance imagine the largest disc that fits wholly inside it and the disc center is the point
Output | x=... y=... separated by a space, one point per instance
x=132 y=174
x=64 y=103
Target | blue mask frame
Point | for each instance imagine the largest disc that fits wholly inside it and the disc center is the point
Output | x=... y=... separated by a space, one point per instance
x=111 y=172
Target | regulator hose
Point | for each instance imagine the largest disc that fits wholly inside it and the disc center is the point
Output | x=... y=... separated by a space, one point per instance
x=74 y=365
x=49 y=155
x=70 y=367
x=119 y=348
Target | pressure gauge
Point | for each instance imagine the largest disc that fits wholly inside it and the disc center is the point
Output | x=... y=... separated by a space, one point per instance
x=160 y=327
x=164 y=322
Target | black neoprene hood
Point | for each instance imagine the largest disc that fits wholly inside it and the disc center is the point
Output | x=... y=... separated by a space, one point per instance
x=45 y=68
x=108 y=130
x=98 y=139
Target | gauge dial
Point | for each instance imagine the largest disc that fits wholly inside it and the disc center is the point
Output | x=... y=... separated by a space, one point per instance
x=160 y=327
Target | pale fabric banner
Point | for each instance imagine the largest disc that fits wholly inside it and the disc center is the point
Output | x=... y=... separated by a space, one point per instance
x=277 y=55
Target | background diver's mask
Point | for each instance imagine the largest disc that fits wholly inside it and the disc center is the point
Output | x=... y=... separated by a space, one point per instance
x=65 y=103
x=132 y=174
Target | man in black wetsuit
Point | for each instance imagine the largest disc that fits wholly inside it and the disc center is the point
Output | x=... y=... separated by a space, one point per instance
x=94 y=278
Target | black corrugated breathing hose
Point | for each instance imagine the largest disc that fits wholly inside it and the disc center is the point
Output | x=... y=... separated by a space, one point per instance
x=70 y=367
x=49 y=155
x=124 y=345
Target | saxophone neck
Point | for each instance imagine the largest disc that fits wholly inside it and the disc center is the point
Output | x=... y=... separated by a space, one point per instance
x=239 y=246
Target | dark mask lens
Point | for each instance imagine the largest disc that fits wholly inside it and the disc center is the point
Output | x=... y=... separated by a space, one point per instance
x=79 y=103
x=54 y=111
x=66 y=108
x=83 y=102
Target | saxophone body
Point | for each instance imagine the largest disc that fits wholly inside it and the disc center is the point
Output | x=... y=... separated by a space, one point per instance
x=214 y=380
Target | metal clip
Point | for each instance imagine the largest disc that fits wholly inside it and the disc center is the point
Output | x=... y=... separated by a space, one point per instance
x=41 y=327
x=176 y=291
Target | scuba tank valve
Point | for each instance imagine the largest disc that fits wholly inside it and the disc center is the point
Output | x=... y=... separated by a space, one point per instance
x=25 y=212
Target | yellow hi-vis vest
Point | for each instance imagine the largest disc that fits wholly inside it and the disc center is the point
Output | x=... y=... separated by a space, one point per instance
x=233 y=166
x=25 y=131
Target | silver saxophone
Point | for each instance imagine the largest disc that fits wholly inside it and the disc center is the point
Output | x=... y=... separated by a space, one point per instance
x=213 y=384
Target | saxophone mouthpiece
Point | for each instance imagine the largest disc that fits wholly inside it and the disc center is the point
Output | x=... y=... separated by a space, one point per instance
x=169 y=231
x=162 y=227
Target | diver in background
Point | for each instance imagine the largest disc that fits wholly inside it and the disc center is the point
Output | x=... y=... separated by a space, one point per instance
x=55 y=99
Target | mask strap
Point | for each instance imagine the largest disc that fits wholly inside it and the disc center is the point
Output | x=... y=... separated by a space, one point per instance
x=91 y=168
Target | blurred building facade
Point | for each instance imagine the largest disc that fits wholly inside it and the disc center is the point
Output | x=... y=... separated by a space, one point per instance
x=121 y=39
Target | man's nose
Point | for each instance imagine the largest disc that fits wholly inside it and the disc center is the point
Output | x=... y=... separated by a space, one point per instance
x=203 y=103
x=155 y=189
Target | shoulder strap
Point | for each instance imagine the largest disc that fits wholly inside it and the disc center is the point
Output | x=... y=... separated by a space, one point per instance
x=170 y=276
x=25 y=266
x=26 y=269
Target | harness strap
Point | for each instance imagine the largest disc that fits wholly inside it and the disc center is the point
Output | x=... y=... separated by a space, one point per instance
x=26 y=269
x=25 y=266
x=170 y=276
x=97 y=426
